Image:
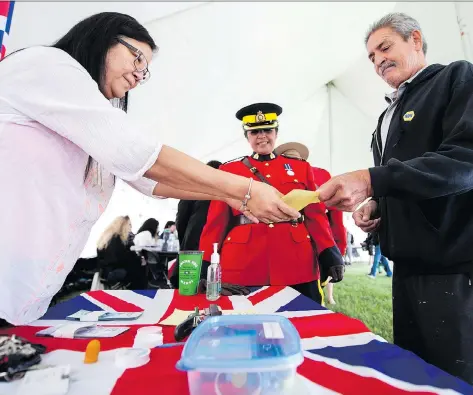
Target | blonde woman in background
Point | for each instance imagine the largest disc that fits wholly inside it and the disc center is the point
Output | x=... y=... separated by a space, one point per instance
x=119 y=266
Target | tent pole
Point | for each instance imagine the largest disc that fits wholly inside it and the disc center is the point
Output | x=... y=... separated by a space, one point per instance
x=464 y=36
x=330 y=124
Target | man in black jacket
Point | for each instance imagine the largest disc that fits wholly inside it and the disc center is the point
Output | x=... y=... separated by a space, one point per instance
x=421 y=194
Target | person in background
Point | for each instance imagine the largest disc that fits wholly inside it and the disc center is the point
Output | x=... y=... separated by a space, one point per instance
x=119 y=266
x=148 y=233
x=378 y=258
x=170 y=228
x=421 y=190
x=190 y=221
x=298 y=150
x=300 y=253
x=349 y=252
x=148 y=236
x=368 y=246
x=191 y=217
x=66 y=137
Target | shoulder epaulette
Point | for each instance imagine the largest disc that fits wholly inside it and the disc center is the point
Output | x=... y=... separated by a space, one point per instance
x=293 y=157
x=235 y=160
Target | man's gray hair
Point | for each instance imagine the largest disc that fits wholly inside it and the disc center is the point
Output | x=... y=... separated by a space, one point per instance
x=401 y=23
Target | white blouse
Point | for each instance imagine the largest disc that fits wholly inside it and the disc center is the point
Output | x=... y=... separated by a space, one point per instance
x=144 y=239
x=52 y=117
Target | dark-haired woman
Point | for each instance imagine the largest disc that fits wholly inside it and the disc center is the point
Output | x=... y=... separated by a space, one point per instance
x=148 y=234
x=63 y=143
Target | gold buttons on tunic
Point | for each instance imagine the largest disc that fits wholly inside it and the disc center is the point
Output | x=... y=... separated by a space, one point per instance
x=295 y=180
x=229 y=238
x=266 y=164
x=271 y=225
x=268 y=175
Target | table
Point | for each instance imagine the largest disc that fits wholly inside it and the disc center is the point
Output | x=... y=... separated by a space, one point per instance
x=169 y=260
x=341 y=354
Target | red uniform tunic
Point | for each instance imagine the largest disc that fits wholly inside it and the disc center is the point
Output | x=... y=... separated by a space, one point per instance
x=321 y=176
x=261 y=254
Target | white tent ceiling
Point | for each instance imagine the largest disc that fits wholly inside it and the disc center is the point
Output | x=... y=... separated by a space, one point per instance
x=44 y=22
x=217 y=57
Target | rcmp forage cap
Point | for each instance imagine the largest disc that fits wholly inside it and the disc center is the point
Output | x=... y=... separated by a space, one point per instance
x=259 y=116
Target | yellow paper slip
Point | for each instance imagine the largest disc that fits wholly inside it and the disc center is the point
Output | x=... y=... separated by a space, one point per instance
x=178 y=316
x=300 y=198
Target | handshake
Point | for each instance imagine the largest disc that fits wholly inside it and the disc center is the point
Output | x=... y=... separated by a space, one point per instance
x=297 y=199
x=267 y=205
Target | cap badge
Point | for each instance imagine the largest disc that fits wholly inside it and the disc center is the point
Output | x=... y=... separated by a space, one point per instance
x=260 y=117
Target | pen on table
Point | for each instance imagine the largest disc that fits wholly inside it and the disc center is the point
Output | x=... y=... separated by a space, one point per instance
x=166 y=345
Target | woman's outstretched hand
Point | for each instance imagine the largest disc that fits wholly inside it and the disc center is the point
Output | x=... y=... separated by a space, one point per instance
x=266 y=204
x=237 y=205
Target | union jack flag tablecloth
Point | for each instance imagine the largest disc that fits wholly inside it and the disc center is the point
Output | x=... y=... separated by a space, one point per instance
x=6 y=14
x=341 y=355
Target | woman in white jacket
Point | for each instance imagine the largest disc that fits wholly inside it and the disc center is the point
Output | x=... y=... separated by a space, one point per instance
x=63 y=143
x=148 y=234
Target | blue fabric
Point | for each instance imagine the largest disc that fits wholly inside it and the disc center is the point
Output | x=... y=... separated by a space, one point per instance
x=71 y=306
x=395 y=362
x=301 y=303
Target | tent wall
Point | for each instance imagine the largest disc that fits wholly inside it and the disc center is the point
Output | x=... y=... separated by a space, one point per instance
x=218 y=57
x=348 y=123
x=42 y=23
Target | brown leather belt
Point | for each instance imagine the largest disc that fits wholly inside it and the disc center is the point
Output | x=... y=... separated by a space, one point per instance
x=242 y=220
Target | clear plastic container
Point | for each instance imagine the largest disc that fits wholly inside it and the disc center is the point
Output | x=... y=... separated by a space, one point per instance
x=242 y=355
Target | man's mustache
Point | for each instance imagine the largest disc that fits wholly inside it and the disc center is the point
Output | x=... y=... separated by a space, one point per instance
x=385 y=65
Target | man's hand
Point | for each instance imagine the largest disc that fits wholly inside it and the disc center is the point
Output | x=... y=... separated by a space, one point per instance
x=345 y=192
x=364 y=217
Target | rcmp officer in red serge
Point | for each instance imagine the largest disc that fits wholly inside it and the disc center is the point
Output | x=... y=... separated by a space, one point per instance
x=297 y=253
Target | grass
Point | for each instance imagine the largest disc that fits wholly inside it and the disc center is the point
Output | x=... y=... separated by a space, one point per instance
x=367 y=299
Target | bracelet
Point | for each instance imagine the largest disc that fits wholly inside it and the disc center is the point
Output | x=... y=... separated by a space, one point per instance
x=247 y=197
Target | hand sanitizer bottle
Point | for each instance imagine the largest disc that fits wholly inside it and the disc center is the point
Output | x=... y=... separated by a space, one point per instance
x=214 y=276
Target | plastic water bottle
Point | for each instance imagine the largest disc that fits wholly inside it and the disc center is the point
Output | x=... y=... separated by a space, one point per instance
x=175 y=242
x=214 y=276
x=166 y=240
x=171 y=242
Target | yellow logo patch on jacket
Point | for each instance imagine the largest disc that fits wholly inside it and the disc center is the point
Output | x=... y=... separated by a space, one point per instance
x=409 y=116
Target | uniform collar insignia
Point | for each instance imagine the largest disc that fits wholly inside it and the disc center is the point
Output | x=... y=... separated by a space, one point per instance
x=263 y=158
